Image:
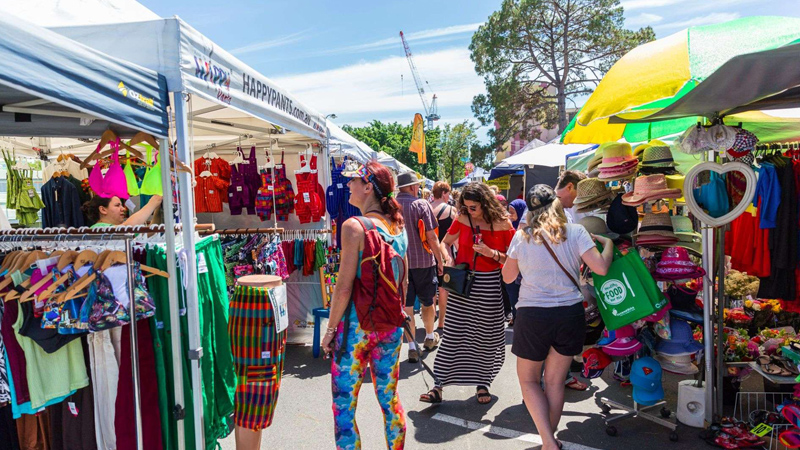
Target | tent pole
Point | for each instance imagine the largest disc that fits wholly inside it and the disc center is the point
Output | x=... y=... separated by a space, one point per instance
x=177 y=409
x=137 y=397
x=721 y=303
x=184 y=153
x=707 y=234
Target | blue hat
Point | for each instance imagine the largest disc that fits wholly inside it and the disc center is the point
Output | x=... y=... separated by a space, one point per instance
x=682 y=342
x=608 y=337
x=646 y=381
x=693 y=317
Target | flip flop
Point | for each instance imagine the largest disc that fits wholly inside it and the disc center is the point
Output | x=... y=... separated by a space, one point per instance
x=790 y=438
x=766 y=364
x=792 y=414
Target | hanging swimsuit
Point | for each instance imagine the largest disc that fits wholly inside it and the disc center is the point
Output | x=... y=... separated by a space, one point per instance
x=70 y=311
x=130 y=177
x=105 y=308
x=151 y=182
x=265 y=197
x=272 y=254
x=284 y=194
x=113 y=184
x=307 y=202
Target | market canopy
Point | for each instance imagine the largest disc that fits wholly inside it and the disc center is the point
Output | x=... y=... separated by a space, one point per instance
x=229 y=98
x=745 y=83
x=657 y=74
x=53 y=86
x=550 y=155
x=478 y=174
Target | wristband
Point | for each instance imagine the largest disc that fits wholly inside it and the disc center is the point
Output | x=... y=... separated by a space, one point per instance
x=330 y=331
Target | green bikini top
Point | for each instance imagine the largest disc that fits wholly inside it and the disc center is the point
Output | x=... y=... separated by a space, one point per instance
x=130 y=177
x=151 y=183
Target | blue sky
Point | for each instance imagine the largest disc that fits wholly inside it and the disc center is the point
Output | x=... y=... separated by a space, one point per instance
x=345 y=57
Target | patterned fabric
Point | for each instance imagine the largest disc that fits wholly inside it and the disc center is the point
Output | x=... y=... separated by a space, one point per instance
x=273 y=254
x=381 y=352
x=265 y=197
x=257 y=355
x=208 y=194
x=414 y=211
x=284 y=193
x=103 y=310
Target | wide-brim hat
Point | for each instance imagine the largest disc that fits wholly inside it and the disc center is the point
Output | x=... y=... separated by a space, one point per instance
x=616 y=154
x=695 y=248
x=590 y=191
x=596 y=225
x=680 y=364
x=683 y=228
x=658 y=224
x=649 y=187
x=657 y=154
x=682 y=342
x=407 y=179
x=601 y=204
x=623 y=347
x=675 y=181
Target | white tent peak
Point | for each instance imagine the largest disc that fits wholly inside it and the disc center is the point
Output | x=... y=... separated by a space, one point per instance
x=62 y=13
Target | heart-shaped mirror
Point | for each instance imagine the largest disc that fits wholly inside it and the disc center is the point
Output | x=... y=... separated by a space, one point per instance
x=710 y=202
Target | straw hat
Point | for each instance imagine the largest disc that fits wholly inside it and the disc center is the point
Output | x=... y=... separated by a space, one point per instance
x=683 y=228
x=656 y=224
x=639 y=149
x=616 y=154
x=591 y=191
x=657 y=154
x=649 y=187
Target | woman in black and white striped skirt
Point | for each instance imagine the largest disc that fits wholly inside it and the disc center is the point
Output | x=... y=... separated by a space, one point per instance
x=473 y=350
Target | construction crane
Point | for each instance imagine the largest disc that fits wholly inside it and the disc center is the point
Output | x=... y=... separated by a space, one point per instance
x=432 y=110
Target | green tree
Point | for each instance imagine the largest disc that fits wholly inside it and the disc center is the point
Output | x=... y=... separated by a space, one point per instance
x=536 y=55
x=395 y=138
x=457 y=144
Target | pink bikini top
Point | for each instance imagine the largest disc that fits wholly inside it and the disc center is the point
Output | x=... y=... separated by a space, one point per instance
x=113 y=184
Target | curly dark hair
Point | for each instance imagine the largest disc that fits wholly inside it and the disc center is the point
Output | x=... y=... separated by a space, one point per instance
x=478 y=192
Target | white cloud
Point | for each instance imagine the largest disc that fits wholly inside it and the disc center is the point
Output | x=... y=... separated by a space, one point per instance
x=272 y=43
x=433 y=35
x=642 y=4
x=716 y=17
x=375 y=87
x=643 y=19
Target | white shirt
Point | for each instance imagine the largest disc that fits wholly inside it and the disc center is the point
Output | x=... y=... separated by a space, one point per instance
x=544 y=284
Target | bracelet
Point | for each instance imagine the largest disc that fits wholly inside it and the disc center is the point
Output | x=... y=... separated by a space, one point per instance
x=330 y=331
x=496 y=256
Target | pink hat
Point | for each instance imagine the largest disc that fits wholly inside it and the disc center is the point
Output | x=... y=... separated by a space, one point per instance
x=675 y=264
x=656 y=316
x=649 y=187
x=625 y=343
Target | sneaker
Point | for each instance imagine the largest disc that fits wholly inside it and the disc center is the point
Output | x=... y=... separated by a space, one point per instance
x=413 y=356
x=431 y=344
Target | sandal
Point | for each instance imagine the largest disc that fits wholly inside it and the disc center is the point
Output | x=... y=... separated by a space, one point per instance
x=433 y=396
x=481 y=395
x=770 y=368
x=577 y=385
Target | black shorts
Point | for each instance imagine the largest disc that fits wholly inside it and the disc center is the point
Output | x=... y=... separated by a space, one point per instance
x=422 y=283
x=537 y=330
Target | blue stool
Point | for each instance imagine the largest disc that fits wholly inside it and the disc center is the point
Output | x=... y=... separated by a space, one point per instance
x=319 y=314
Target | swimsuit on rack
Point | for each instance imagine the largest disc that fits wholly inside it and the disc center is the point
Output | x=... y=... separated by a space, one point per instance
x=113 y=183
x=107 y=303
x=151 y=182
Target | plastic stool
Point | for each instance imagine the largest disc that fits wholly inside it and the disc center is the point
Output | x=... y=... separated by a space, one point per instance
x=319 y=314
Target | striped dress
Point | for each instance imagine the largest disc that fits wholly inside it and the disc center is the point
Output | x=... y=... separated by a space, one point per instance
x=473 y=349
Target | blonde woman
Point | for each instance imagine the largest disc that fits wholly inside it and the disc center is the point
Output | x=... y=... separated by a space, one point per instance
x=550 y=325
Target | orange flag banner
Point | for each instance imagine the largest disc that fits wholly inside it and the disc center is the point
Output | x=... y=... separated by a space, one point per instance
x=418 y=140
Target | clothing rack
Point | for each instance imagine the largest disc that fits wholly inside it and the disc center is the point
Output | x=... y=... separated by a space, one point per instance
x=263 y=231
x=39 y=235
x=104 y=231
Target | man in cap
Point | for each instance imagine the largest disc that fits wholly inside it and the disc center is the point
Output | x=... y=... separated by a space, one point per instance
x=567 y=191
x=425 y=261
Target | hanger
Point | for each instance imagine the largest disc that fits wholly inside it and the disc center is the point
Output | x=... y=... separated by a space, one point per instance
x=107 y=137
x=238 y=159
x=142 y=137
x=25 y=263
x=305 y=166
x=66 y=259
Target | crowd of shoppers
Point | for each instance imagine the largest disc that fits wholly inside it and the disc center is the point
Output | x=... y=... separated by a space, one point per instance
x=524 y=257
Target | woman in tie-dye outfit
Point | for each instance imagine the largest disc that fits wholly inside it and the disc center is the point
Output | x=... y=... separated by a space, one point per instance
x=372 y=191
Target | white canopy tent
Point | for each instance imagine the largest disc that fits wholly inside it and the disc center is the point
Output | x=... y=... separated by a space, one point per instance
x=550 y=155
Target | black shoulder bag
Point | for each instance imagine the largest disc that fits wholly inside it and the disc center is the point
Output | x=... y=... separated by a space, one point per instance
x=458 y=279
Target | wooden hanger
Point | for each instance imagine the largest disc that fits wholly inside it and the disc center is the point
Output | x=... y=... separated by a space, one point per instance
x=105 y=138
x=118 y=257
x=83 y=258
x=25 y=263
x=66 y=259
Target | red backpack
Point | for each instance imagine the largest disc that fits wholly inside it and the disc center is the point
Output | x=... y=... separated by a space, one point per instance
x=377 y=297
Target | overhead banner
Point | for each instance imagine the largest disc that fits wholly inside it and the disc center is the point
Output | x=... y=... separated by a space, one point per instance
x=191 y=61
x=501 y=183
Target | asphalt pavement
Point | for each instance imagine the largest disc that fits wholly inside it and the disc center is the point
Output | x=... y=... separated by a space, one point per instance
x=303 y=419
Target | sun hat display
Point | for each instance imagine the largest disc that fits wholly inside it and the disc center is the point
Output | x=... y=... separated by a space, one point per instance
x=682 y=227
x=616 y=154
x=596 y=225
x=639 y=150
x=675 y=181
x=407 y=179
x=597 y=158
x=592 y=194
x=680 y=364
x=649 y=187
x=594 y=362
x=744 y=143
x=656 y=224
x=621 y=219
x=675 y=264
x=646 y=381
x=625 y=343
x=682 y=342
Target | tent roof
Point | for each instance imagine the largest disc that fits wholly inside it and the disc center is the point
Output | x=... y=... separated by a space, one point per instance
x=229 y=98
x=59 y=13
x=747 y=82
x=478 y=173
x=550 y=155
x=52 y=86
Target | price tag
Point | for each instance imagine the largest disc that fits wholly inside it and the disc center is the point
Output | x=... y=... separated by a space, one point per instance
x=31 y=193
x=201 y=263
x=73 y=409
x=265 y=355
x=270 y=187
x=210 y=192
x=761 y=430
x=339 y=185
x=238 y=189
x=230 y=194
x=306 y=197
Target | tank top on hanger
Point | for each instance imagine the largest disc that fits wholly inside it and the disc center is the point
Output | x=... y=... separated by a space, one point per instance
x=151 y=183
